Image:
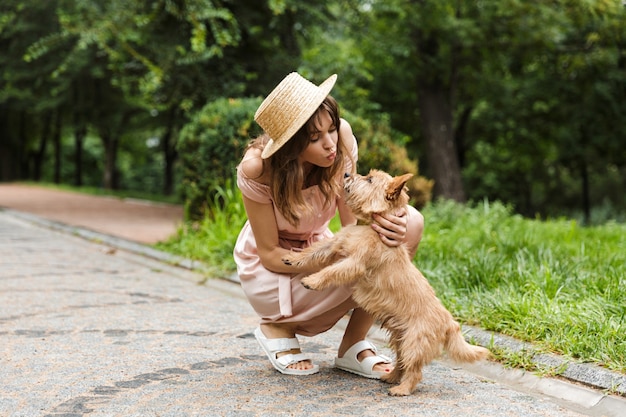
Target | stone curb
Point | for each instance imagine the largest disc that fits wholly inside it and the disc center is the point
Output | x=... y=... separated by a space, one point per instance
x=591 y=388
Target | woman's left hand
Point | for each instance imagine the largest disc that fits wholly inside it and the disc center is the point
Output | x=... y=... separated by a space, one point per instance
x=391 y=227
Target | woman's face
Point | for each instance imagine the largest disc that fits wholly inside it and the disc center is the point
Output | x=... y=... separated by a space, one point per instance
x=323 y=138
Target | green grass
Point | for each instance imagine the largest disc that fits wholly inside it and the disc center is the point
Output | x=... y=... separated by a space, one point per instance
x=212 y=240
x=553 y=283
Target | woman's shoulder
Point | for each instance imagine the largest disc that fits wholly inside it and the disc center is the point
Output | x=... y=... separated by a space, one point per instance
x=345 y=130
x=252 y=166
x=344 y=127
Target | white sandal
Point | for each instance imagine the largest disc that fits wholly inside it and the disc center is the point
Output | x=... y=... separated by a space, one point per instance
x=350 y=362
x=274 y=346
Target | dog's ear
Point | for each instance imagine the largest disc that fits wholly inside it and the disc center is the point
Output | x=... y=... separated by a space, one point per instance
x=396 y=185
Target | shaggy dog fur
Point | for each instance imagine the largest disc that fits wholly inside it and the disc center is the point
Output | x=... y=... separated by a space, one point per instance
x=386 y=283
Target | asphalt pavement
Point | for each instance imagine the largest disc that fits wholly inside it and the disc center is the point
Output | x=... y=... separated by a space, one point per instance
x=94 y=325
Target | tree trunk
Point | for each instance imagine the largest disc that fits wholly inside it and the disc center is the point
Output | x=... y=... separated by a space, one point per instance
x=23 y=167
x=460 y=135
x=436 y=91
x=169 y=153
x=109 y=141
x=6 y=146
x=56 y=141
x=79 y=139
x=41 y=150
x=438 y=130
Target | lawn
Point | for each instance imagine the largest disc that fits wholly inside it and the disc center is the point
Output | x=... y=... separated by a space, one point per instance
x=553 y=283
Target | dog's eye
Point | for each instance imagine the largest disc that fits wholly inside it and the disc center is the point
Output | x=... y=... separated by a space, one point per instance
x=369 y=179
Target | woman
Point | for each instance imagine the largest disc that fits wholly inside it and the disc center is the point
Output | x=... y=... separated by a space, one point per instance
x=291 y=180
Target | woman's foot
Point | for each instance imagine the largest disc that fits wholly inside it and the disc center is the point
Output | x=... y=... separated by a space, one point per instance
x=362 y=359
x=379 y=367
x=279 y=332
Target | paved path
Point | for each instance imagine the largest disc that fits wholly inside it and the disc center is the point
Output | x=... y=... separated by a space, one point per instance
x=135 y=220
x=90 y=330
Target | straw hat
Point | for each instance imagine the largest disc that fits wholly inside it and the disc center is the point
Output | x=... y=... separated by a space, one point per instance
x=288 y=107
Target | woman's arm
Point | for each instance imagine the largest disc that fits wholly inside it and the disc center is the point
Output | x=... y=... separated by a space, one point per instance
x=265 y=229
x=403 y=227
x=345 y=132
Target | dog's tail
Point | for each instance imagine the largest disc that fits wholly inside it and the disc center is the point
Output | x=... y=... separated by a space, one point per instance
x=461 y=351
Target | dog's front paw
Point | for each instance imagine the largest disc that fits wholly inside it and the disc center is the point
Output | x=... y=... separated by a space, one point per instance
x=310 y=283
x=292 y=259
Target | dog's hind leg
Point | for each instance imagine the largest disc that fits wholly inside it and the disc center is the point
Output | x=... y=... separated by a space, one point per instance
x=413 y=351
x=411 y=376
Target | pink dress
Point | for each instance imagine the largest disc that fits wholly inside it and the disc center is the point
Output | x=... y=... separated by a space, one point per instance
x=280 y=297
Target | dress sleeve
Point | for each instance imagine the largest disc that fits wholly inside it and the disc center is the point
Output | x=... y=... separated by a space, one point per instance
x=252 y=189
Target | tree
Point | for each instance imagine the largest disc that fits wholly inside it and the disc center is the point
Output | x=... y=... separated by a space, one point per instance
x=545 y=130
x=29 y=106
x=438 y=66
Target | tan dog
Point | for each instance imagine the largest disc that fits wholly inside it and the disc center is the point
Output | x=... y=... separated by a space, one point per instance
x=386 y=283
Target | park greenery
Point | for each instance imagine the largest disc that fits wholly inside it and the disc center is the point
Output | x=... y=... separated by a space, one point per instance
x=511 y=112
x=519 y=101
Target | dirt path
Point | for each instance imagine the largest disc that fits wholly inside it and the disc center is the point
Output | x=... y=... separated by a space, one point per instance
x=134 y=220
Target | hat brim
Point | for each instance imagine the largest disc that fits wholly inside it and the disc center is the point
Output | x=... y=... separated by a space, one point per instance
x=314 y=103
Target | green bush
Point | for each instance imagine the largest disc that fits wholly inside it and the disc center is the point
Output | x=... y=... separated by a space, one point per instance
x=210 y=147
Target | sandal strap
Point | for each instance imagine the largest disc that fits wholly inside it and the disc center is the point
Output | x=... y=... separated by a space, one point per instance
x=282 y=345
x=292 y=358
x=367 y=364
x=359 y=347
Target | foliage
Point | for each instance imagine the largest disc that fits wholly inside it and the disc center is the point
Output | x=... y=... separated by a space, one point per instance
x=212 y=239
x=146 y=43
x=528 y=96
x=524 y=81
x=211 y=145
x=535 y=142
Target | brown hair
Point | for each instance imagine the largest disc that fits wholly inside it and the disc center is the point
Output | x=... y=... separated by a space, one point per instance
x=287 y=177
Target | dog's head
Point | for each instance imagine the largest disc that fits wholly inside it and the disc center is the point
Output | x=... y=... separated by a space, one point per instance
x=376 y=192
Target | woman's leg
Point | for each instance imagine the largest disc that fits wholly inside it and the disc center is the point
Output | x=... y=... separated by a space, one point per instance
x=285 y=330
x=358 y=326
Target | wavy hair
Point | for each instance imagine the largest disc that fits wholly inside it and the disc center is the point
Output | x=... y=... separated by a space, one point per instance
x=287 y=178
